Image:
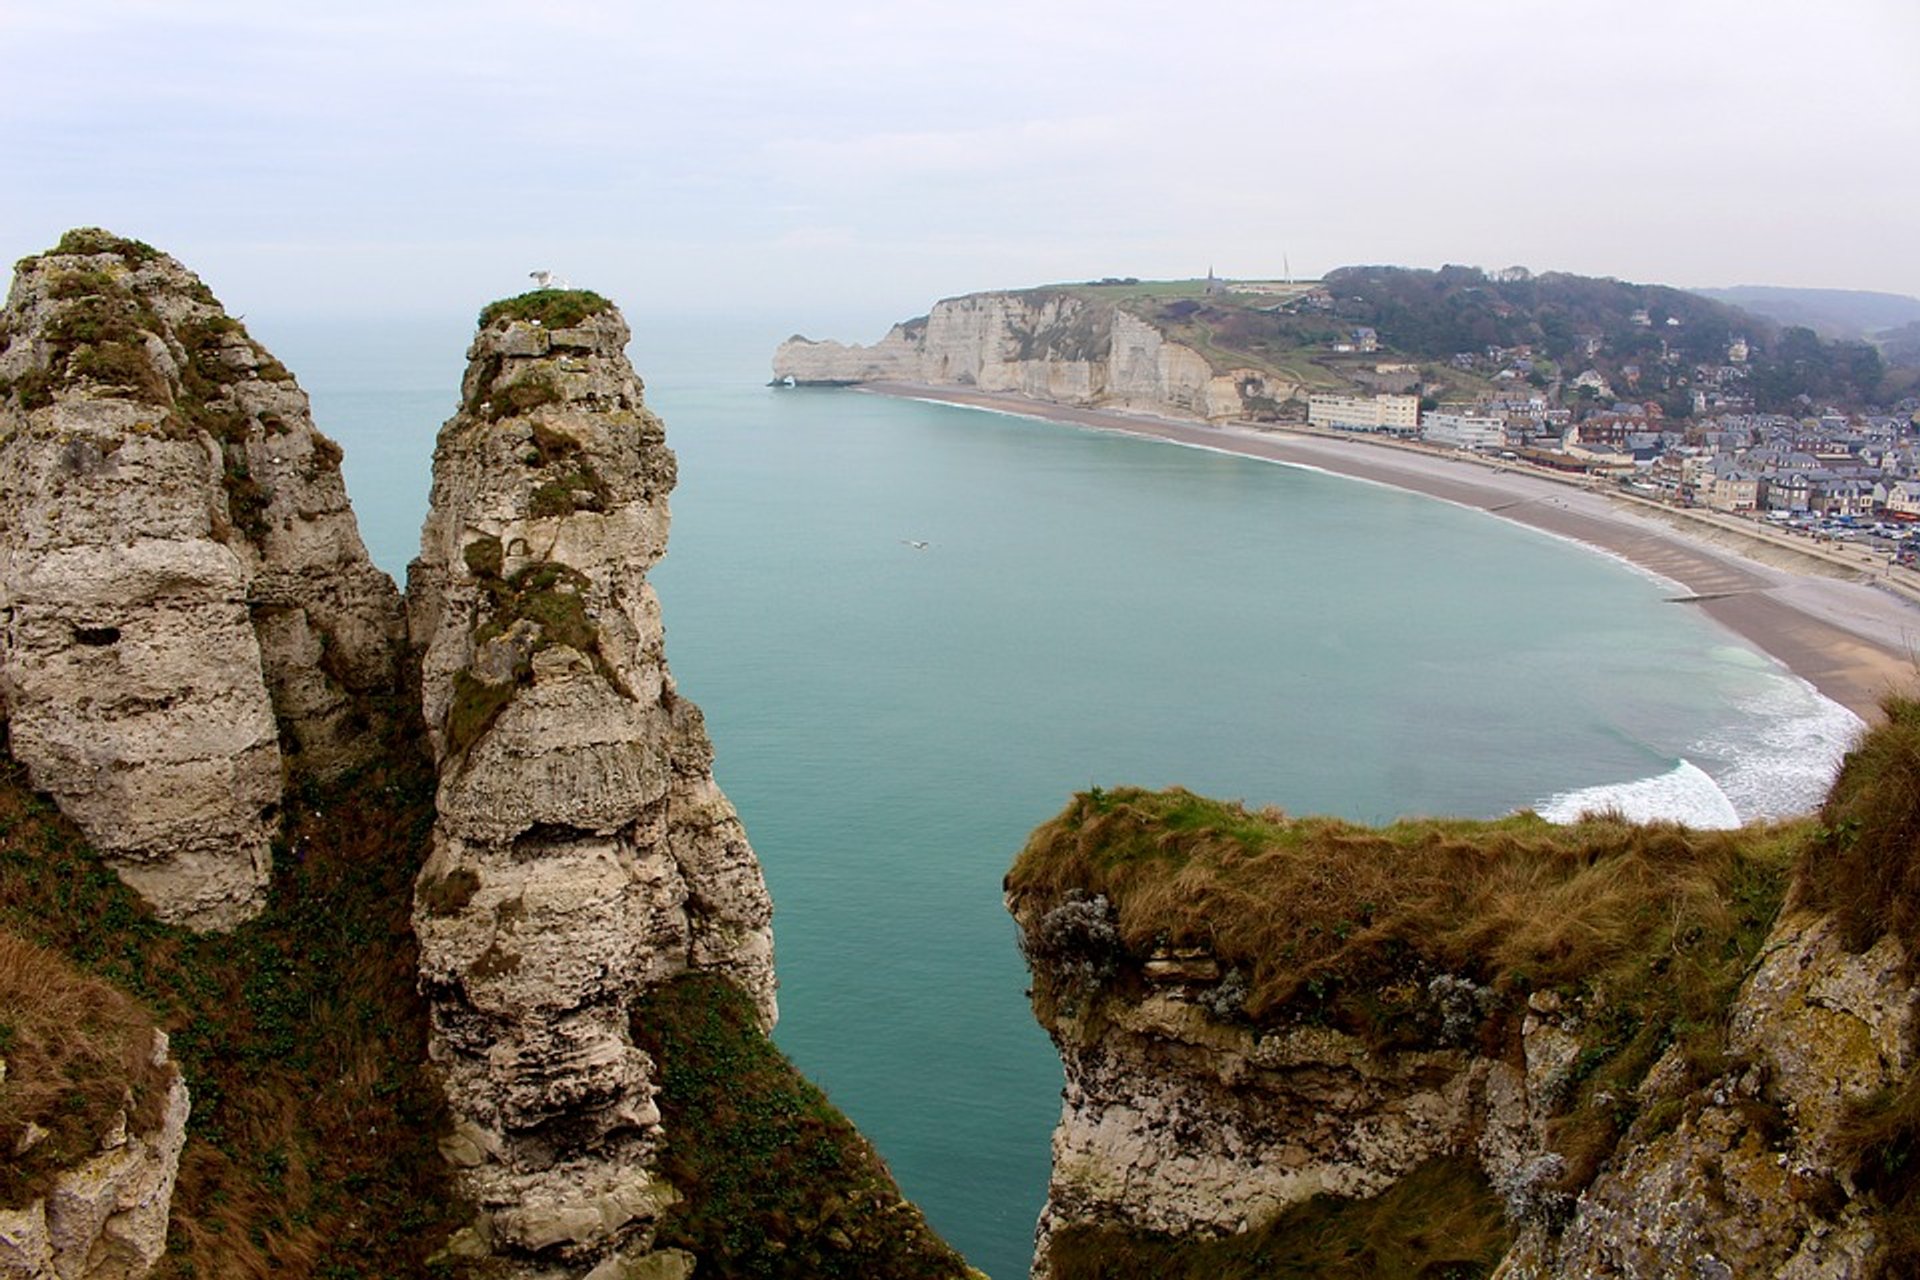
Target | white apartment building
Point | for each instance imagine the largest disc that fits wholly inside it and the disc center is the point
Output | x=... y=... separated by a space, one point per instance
x=1398 y=414
x=1458 y=430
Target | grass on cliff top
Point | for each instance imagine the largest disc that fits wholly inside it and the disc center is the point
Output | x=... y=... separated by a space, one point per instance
x=78 y=1053
x=94 y=240
x=311 y=1146
x=1440 y=1222
x=1650 y=927
x=778 y=1184
x=553 y=308
x=1316 y=908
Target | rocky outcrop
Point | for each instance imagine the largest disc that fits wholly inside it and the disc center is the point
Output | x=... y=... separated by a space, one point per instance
x=1744 y=1176
x=1614 y=1125
x=184 y=597
x=582 y=853
x=1047 y=344
x=1175 y=1122
x=105 y=1218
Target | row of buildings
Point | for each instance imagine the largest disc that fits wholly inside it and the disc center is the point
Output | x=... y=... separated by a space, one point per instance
x=1831 y=464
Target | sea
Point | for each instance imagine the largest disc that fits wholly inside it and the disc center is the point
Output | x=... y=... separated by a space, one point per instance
x=917 y=629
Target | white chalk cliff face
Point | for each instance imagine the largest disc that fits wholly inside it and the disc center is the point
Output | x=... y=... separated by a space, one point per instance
x=582 y=852
x=183 y=590
x=1048 y=345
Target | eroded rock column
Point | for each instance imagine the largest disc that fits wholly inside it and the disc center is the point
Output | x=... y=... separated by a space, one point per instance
x=183 y=591
x=582 y=851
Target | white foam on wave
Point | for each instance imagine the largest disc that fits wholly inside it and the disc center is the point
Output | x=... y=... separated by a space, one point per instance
x=1781 y=758
x=1683 y=794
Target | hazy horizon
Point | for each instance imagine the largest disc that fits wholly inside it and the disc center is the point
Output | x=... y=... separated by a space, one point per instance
x=846 y=166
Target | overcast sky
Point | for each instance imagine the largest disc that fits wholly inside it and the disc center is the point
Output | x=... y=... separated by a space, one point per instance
x=848 y=162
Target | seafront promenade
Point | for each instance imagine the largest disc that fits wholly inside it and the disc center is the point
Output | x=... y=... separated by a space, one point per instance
x=1842 y=620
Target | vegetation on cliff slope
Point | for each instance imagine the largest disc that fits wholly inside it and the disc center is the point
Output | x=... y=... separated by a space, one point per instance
x=1863 y=864
x=1338 y=922
x=1650 y=928
x=1440 y=1222
x=78 y=1056
x=777 y=1183
x=311 y=1148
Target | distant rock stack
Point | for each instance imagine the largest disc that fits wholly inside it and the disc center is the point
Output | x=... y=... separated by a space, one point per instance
x=184 y=595
x=582 y=852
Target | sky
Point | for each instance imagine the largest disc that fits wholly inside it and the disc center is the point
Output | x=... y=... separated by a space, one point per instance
x=846 y=163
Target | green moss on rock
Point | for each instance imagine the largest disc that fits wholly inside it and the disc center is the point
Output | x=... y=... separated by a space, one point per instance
x=552 y=308
x=88 y=241
x=1440 y=1222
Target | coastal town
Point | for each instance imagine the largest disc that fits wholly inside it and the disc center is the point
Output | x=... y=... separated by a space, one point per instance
x=1833 y=476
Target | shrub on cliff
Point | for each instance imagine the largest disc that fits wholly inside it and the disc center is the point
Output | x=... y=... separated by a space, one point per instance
x=777 y=1182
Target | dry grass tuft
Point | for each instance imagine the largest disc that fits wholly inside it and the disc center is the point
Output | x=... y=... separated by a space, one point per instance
x=79 y=1055
x=1864 y=862
x=1313 y=906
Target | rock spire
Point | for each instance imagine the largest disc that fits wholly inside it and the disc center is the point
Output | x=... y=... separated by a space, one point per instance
x=582 y=851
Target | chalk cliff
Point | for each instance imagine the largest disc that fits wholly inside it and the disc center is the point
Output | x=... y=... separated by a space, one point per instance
x=1056 y=345
x=583 y=854
x=184 y=597
x=1604 y=1047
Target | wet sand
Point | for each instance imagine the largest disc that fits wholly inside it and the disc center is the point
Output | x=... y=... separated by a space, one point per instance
x=1831 y=621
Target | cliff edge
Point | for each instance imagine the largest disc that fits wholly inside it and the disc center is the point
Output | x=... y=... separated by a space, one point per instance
x=1088 y=347
x=1298 y=1046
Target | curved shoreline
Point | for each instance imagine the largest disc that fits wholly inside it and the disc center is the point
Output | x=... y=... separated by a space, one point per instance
x=1812 y=611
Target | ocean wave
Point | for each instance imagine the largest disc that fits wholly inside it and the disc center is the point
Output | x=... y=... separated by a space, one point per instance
x=1686 y=793
x=1780 y=758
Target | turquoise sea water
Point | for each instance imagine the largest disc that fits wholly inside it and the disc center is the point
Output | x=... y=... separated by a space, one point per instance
x=1090 y=609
